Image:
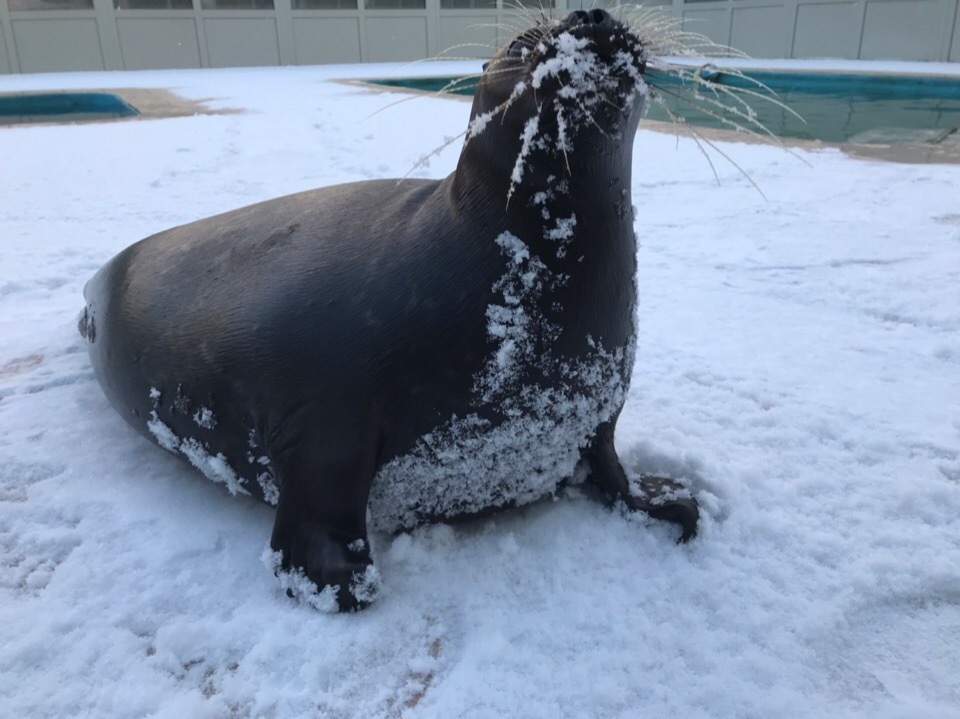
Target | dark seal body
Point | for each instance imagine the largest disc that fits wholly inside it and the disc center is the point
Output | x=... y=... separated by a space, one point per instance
x=432 y=349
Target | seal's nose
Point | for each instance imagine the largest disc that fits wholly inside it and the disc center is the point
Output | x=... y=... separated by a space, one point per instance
x=589 y=17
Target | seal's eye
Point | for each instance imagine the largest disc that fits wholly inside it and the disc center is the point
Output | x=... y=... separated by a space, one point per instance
x=518 y=48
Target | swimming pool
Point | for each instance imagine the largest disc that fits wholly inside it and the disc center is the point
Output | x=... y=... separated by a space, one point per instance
x=836 y=108
x=23 y=108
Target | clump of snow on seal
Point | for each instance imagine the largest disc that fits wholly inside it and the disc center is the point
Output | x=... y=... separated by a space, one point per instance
x=266 y=480
x=480 y=122
x=469 y=465
x=163 y=434
x=365 y=586
x=268 y=485
x=214 y=467
x=296 y=584
x=530 y=130
x=205 y=418
x=518 y=321
x=562 y=233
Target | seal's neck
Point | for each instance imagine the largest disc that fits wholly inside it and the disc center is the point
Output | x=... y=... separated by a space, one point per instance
x=548 y=182
x=520 y=159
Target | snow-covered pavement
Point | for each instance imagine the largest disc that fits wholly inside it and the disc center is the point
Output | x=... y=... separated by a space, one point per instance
x=798 y=364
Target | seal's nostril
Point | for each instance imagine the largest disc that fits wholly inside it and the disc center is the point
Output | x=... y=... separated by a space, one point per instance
x=593 y=17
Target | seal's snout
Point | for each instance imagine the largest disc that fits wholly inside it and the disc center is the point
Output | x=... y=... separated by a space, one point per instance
x=599 y=26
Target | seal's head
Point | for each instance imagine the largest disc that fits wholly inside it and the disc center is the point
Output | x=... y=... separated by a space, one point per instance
x=575 y=89
x=587 y=68
x=572 y=90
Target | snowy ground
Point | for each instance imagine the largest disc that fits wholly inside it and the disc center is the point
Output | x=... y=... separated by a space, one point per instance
x=799 y=364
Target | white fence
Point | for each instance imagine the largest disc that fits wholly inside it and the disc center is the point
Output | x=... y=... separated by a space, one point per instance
x=55 y=35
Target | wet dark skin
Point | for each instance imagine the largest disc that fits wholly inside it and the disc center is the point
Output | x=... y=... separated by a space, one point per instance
x=328 y=331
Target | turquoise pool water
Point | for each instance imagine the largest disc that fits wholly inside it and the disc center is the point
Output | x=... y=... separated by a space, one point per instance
x=62 y=107
x=834 y=107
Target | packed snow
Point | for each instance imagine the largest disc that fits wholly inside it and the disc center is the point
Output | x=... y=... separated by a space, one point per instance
x=798 y=366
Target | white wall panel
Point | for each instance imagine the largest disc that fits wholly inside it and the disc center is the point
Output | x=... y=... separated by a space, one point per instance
x=58 y=44
x=326 y=40
x=760 y=31
x=827 y=30
x=901 y=30
x=4 y=62
x=154 y=43
x=477 y=34
x=715 y=24
x=396 y=38
x=242 y=42
x=38 y=41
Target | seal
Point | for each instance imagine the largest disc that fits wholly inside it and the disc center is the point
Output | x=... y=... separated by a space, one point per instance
x=423 y=349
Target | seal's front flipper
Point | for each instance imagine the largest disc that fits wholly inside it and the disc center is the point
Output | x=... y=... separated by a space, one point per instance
x=320 y=551
x=660 y=497
x=324 y=568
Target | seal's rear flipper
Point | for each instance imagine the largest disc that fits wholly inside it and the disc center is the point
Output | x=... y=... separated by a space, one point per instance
x=86 y=325
x=664 y=498
x=660 y=497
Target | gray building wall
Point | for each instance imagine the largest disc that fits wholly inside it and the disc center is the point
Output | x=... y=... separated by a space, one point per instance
x=58 y=35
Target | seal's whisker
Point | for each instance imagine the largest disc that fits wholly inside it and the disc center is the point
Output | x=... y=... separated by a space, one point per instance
x=766 y=133
x=751 y=125
x=693 y=77
x=435 y=152
x=511 y=62
x=445 y=90
x=536 y=14
x=610 y=103
x=411 y=63
x=479 y=122
x=528 y=29
x=768 y=95
x=507 y=105
x=457 y=84
x=532 y=34
x=593 y=121
x=698 y=138
x=521 y=12
x=515 y=28
x=680 y=124
x=718 y=91
x=442 y=55
x=664 y=34
x=704 y=104
x=503 y=66
x=400 y=101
